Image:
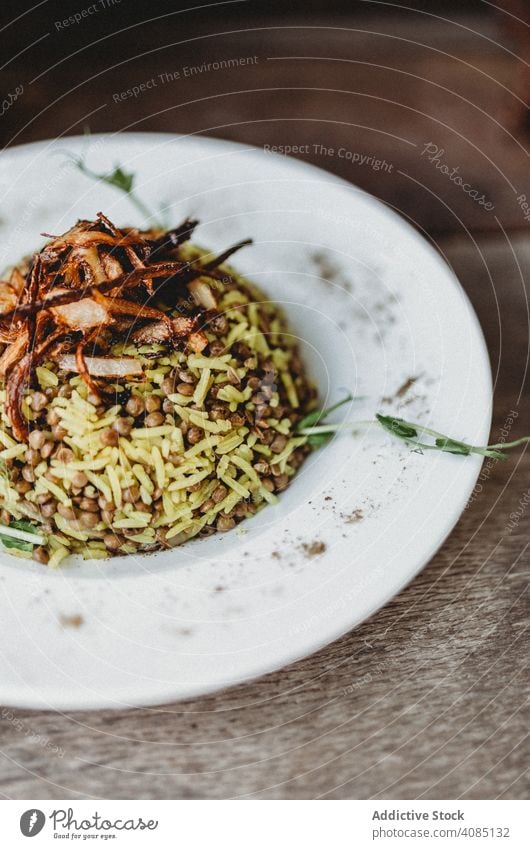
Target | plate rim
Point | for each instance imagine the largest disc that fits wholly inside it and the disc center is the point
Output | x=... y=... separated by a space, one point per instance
x=163 y=695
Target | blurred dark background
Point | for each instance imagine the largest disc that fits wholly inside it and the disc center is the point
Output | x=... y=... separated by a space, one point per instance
x=382 y=79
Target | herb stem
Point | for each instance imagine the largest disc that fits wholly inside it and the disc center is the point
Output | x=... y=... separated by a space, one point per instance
x=35 y=539
x=335 y=428
x=335 y=407
x=406 y=431
x=120 y=180
x=143 y=208
x=500 y=445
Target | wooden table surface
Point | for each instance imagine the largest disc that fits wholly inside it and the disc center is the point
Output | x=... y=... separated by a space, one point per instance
x=428 y=699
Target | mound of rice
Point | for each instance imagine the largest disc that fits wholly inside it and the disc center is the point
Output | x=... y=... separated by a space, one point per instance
x=192 y=446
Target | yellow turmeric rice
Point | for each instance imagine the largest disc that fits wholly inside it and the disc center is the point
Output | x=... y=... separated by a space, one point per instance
x=191 y=443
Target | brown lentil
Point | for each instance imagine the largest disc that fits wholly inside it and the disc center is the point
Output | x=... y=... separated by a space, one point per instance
x=278 y=443
x=109 y=436
x=66 y=512
x=219 y=324
x=168 y=387
x=32 y=456
x=267 y=436
x=38 y=401
x=48 y=509
x=46 y=450
x=281 y=482
x=113 y=542
x=154 y=420
x=152 y=403
x=88 y=520
x=64 y=455
x=225 y=523
x=219 y=493
x=89 y=504
x=36 y=439
x=122 y=426
x=135 y=406
x=79 y=480
x=217 y=348
x=185 y=389
x=53 y=417
x=194 y=434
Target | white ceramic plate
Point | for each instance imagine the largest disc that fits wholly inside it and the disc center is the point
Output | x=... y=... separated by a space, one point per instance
x=374 y=306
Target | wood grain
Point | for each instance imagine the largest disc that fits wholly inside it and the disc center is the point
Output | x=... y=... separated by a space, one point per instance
x=429 y=698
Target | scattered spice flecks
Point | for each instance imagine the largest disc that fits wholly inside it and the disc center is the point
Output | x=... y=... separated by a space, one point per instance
x=313 y=549
x=328 y=270
x=276 y=555
x=403 y=389
x=74 y=621
x=352 y=518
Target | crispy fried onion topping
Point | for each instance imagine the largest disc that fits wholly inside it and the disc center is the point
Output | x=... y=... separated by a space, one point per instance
x=94 y=286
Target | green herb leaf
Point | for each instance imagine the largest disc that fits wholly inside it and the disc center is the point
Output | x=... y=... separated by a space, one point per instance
x=120 y=179
x=452 y=446
x=319 y=439
x=21 y=544
x=397 y=427
x=10 y=542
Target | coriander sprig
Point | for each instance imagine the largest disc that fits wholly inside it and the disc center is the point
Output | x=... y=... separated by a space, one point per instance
x=120 y=179
x=409 y=432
